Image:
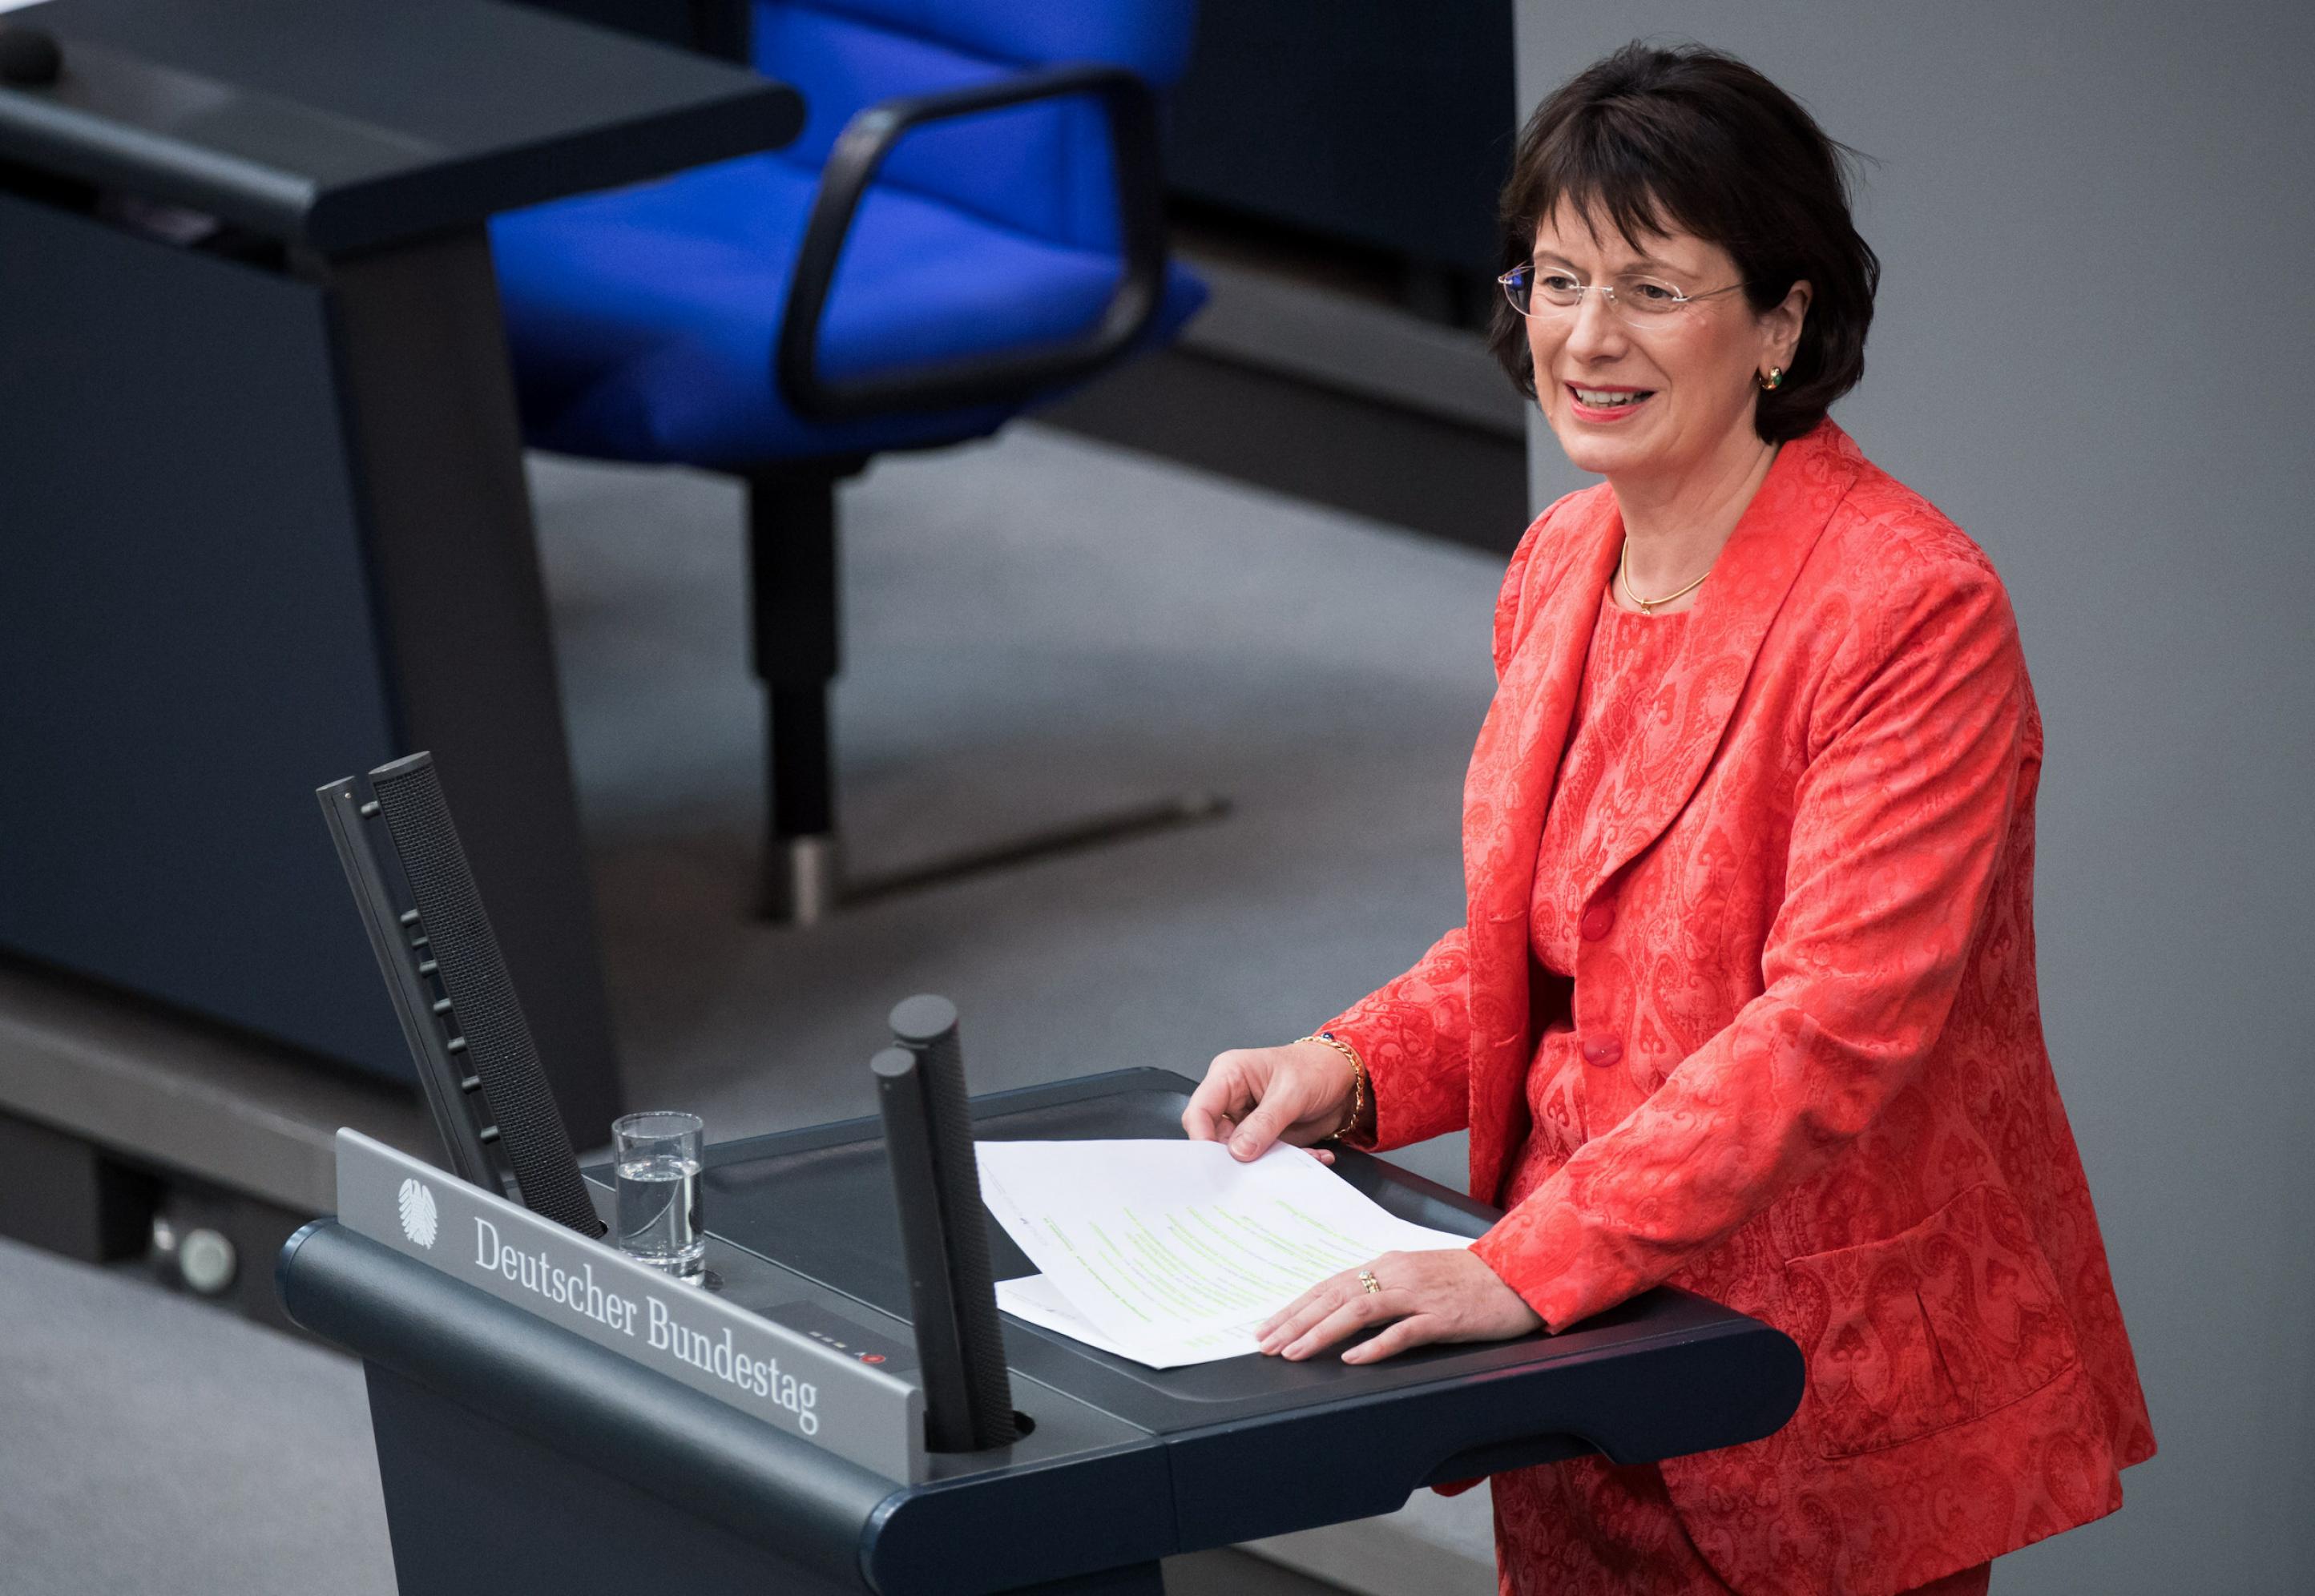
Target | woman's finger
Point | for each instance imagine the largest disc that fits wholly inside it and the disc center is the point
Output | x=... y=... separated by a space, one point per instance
x=1256 y=1132
x=1304 y=1311
x=1295 y=1317
x=1348 y=1318
x=1337 y=1294
x=1200 y=1118
x=1267 y=1124
x=1222 y=1095
x=1413 y=1331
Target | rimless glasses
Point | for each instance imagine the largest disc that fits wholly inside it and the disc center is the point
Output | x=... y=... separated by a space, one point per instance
x=1550 y=291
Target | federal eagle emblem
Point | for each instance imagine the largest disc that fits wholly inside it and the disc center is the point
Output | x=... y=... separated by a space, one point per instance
x=417 y=1216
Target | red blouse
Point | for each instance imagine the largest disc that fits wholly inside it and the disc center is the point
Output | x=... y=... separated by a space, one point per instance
x=1582 y=832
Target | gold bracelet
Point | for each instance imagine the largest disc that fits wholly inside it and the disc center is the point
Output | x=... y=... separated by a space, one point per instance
x=1358 y=1079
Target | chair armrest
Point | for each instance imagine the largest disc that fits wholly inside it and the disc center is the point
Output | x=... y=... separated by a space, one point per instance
x=870 y=137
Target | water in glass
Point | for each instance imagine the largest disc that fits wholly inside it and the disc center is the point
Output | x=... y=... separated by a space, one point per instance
x=658 y=1214
x=655 y=1165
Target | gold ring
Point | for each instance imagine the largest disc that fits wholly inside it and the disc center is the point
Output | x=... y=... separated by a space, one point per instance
x=1367 y=1279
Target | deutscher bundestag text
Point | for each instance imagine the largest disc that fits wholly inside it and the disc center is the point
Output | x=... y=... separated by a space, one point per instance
x=577 y=1291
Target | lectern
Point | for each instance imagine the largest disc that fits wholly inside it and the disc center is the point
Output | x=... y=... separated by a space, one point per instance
x=524 y=1448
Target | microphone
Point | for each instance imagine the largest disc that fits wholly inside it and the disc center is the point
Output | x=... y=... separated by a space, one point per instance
x=29 y=57
x=944 y=1235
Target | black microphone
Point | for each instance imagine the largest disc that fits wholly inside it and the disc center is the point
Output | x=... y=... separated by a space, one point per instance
x=29 y=57
x=943 y=1233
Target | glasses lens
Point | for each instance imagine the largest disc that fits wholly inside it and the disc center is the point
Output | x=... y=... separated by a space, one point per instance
x=1648 y=295
x=1557 y=288
x=1516 y=284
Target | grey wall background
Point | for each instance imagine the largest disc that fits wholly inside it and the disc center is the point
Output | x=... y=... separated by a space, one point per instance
x=2093 y=350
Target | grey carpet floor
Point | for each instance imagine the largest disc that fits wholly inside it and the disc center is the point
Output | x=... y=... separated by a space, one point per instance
x=152 y=1445
x=1038 y=628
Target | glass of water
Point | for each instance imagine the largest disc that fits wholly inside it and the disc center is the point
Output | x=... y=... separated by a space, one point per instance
x=655 y=1159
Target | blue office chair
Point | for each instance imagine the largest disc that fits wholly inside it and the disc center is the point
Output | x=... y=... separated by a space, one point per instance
x=964 y=227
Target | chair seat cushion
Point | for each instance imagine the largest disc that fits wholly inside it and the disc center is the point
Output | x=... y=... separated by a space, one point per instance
x=642 y=321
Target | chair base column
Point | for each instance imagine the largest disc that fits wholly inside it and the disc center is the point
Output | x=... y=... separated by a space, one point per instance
x=793 y=595
x=791 y=544
x=804 y=879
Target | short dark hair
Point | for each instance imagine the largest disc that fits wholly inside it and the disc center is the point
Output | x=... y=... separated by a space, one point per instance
x=1650 y=139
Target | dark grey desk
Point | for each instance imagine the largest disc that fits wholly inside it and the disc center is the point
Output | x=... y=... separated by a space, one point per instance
x=262 y=500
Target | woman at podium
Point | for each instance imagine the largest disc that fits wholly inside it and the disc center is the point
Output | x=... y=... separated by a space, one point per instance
x=1744 y=1000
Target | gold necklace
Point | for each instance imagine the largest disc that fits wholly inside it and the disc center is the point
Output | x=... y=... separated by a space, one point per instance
x=1648 y=605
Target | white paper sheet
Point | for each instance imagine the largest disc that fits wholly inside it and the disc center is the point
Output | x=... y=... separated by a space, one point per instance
x=1033 y=1298
x=1171 y=1251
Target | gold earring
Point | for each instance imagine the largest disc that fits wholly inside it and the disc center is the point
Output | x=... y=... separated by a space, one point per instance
x=1775 y=379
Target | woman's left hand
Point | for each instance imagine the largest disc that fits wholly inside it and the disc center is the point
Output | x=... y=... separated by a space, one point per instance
x=1448 y=1295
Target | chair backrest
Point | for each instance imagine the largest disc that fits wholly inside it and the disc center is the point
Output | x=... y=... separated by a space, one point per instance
x=1043 y=169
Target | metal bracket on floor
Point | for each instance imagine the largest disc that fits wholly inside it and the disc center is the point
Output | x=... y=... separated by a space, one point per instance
x=805 y=882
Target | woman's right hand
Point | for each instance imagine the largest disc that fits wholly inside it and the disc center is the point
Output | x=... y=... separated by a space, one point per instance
x=1253 y=1096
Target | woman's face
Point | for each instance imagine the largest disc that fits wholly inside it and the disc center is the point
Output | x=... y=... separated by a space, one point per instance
x=1652 y=397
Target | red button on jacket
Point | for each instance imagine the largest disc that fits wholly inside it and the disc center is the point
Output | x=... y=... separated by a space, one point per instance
x=1597 y=922
x=1602 y=1050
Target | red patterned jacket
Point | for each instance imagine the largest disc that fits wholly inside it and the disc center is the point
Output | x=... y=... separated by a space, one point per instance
x=1832 y=1108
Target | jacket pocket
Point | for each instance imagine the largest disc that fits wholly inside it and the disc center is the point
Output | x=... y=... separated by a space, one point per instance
x=1932 y=1327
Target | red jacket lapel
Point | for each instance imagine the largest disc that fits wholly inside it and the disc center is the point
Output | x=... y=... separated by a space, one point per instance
x=1686 y=721
x=1504 y=803
x=1520 y=743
